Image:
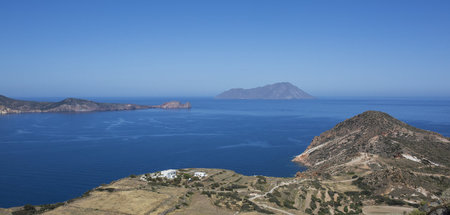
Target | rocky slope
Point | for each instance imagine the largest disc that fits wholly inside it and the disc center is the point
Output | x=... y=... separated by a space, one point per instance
x=8 y=105
x=388 y=157
x=283 y=90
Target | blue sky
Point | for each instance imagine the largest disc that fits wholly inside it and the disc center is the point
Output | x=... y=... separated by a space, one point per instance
x=200 y=48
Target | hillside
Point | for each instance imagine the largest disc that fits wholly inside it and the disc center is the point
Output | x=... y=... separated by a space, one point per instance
x=283 y=90
x=9 y=105
x=220 y=192
x=223 y=192
x=388 y=157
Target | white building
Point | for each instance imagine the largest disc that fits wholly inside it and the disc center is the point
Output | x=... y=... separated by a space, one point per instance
x=200 y=174
x=169 y=174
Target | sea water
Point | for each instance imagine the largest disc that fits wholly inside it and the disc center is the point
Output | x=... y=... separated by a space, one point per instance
x=53 y=157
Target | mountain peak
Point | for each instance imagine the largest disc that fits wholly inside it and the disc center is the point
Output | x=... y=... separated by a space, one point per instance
x=374 y=113
x=283 y=83
x=370 y=120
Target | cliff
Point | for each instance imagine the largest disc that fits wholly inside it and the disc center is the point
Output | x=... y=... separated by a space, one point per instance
x=9 y=105
x=283 y=90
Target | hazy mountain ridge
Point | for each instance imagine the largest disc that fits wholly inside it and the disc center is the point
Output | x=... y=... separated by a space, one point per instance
x=283 y=90
x=9 y=105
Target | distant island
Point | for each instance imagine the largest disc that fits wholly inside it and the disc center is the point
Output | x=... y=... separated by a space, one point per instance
x=281 y=91
x=371 y=163
x=9 y=105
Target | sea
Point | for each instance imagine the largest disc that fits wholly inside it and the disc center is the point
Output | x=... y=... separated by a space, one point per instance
x=53 y=157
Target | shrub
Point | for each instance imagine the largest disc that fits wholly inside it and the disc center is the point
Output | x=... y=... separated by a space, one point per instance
x=29 y=207
x=366 y=193
x=246 y=207
x=316 y=184
x=394 y=202
x=109 y=189
x=198 y=184
x=215 y=185
x=261 y=179
x=315 y=199
x=262 y=210
x=238 y=186
x=417 y=212
x=274 y=200
x=50 y=206
x=289 y=204
x=360 y=184
x=323 y=211
x=389 y=201
x=186 y=176
x=338 y=212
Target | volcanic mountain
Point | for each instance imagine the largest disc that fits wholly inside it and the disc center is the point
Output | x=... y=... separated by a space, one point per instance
x=283 y=90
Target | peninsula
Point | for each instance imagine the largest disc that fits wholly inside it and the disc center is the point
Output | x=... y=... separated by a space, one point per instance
x=9 y=105
x=369 y=164
x=278 y=91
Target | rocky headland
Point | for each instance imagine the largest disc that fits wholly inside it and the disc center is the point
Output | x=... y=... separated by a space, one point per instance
x=388 y=159
x=277 y=91
x=9 y=105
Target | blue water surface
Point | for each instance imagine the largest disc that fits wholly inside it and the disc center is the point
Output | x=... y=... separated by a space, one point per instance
x=53 y=157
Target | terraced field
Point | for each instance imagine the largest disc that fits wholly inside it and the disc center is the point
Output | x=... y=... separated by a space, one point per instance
x=221 y=192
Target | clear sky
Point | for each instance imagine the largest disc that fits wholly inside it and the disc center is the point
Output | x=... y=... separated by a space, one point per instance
x=200 y=48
